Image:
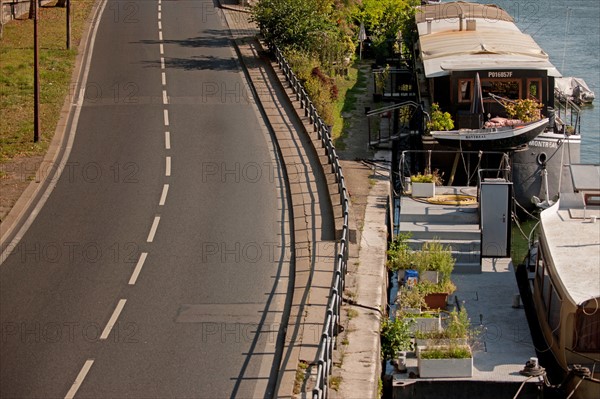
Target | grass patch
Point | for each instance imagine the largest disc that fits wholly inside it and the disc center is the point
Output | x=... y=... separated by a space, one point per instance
x=349 y=88
x=352 y=314
x=334 y=382
x=16 y=76
x=520 y=244
x=300 y=373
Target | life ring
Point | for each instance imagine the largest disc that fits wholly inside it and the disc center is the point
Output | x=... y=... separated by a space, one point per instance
x=453 y=199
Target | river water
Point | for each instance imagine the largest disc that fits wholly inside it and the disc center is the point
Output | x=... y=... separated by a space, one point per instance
x=569 y=31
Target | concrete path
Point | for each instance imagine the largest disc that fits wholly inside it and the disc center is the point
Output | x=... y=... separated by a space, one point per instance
x=313 y=193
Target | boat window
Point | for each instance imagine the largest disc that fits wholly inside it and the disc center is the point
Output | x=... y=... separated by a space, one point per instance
x=539 y=271
x=546 y=288
x=592 y=199
x=506 y=88
x=465 y=90
x=587 y=332
x=554 y=308
x=534 y=89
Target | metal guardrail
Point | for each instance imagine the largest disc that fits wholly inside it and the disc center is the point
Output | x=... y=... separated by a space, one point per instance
x=328 y=339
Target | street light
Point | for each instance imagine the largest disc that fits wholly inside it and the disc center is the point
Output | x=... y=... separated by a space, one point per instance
x=36 y=75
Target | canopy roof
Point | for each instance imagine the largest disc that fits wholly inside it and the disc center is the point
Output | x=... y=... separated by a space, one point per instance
x=495 y=43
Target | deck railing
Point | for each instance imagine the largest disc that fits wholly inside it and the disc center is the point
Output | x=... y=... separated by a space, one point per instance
x=327 y=342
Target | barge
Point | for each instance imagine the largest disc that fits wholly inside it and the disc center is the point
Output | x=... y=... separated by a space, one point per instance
x=459 y=42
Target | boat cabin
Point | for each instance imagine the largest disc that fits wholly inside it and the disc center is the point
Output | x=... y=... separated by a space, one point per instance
x=458 y=41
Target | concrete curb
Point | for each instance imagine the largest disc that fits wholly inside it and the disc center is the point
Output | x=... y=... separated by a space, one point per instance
x=48 y=169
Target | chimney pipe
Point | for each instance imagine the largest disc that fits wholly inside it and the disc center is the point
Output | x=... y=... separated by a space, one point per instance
x=429 y=21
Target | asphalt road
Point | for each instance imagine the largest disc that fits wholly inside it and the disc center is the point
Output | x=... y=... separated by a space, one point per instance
x=158 y=266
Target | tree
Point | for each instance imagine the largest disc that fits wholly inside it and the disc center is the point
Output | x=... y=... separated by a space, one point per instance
x=383 y=20
x=293 y=23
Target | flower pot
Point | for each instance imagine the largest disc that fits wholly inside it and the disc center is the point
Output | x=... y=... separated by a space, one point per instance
x=445 y=368
x=437 y=300
x=423 y=190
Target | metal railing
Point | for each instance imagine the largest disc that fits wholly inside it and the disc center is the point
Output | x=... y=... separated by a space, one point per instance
x=327 y=342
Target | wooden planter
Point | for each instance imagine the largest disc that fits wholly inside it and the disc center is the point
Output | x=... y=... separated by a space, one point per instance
x=423 y=190
x=445 y=368
x=436 y=300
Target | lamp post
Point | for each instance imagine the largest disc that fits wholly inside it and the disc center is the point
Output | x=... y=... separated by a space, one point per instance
x=36 y=75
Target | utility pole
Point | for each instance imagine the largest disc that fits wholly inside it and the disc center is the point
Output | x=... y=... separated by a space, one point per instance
x=36 y=75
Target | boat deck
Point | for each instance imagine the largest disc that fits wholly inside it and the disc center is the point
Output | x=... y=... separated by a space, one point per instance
x=504 y=344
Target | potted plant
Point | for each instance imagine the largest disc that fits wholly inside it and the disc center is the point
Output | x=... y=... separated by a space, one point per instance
x=456 y=332
x=423 y=185
x=436 y=295
x=395 y=337
x=434 y=261
x=399 y=254
x=423 y=321
x=410 y=300
x=439 y=120
x=446 y=361
x=526 y=110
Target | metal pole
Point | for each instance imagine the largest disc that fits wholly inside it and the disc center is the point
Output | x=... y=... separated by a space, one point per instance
x=68 y=4
x=36 y=76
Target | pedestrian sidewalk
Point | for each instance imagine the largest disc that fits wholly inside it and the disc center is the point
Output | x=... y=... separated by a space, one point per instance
x=315 y=221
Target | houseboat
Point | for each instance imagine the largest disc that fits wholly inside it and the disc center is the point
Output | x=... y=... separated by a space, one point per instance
x=460 y=41
x=566 y=283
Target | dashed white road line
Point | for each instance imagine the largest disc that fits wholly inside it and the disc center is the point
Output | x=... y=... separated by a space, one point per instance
x=160 y=36
x=162 y=62
x=165 y=98
x=164 y=78
x=167 y=140
x=159 y=25
x=168 y=166
x=162 y=48
x=138 y=268
x=159 y=14
x=113 y=319
x=163 y=196
x=153 y=229
x=79 y=379
x=166 y=117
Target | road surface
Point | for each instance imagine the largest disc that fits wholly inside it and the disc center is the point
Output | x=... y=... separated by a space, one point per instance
x=158 y=266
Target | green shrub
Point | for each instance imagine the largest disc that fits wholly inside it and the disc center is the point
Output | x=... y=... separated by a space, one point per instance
x=395 y=337
x=439 y=120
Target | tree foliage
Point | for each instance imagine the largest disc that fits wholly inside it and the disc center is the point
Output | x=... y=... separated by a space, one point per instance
x=292 y=23
x=383 y=19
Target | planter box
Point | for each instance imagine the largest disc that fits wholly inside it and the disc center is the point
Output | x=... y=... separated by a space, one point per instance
x=445 y=368
x=425 y=324
x=423 y=190
x=437 y=300
x=427 y=275
x=423 y=343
